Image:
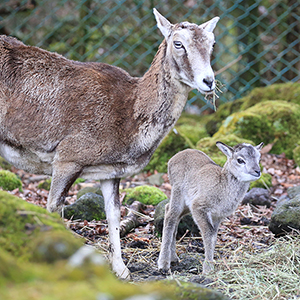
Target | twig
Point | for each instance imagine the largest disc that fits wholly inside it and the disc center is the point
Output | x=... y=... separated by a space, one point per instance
x=228 y=65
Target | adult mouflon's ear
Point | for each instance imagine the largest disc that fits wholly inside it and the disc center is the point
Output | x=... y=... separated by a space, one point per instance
x=227 y=150
x=210 y=25
x=163 y=24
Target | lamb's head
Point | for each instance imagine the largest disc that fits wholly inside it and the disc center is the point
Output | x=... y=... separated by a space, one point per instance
x=242 y=160
x=189 y=48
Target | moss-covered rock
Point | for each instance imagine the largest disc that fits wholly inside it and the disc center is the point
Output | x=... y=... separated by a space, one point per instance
x=286 y=216
x=60 y=281
x=89 y=189
x=149 y=195
x=5 y=165
x=9 y=181
x=53 y=246
x=171 y=144
x=296 y=154
x=289 y=92
x=88 y=207
x=45 y=184
x=214 y=121
x=186 y=223
x=188 y=130
x=22 y=222
x=274 y=122
x=192 y=127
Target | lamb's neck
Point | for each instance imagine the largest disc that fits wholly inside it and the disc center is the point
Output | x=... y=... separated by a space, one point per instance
x=162 y=96
x=236 y=185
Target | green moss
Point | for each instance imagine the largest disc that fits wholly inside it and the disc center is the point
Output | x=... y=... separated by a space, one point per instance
x=53 y=246
x=269 y=122
x=296 y=154
x=289 y=92
x=45 y=184
x=4 y=164
x=171 y=144
x=145 y=194
x=9 y=181
x=21 y=222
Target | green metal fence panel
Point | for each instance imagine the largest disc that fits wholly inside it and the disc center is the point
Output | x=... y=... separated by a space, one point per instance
x=258 y=41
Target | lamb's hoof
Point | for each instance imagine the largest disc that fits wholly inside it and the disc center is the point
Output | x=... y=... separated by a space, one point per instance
x=164 y=271
x=208 y=267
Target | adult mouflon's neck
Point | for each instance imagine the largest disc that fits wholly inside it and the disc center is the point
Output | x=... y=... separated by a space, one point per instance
x=161 y=96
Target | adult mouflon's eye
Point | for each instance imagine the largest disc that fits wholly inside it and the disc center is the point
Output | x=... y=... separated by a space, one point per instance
x=178 y=45
x=240 y=161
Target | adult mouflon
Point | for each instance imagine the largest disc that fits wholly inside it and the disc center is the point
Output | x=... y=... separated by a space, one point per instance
x=69 y=119
x=210 y=192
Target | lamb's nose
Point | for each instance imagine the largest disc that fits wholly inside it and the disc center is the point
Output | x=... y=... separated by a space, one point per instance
x=257 y=172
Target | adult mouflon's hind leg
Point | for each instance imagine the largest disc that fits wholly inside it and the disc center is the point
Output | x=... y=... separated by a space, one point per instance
x=63 y=176
x=110 y=190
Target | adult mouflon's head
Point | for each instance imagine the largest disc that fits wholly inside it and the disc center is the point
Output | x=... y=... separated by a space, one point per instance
x=242 y=160
x=190 y=46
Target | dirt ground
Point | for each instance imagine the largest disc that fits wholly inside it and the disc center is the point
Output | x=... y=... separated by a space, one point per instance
x=246 y=230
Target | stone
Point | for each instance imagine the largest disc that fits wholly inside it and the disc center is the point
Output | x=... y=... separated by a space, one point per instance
x=156 y=179
x=186 y=223
x=89 y=189
x=88 y=207
x=286 y=216
x=258 y=196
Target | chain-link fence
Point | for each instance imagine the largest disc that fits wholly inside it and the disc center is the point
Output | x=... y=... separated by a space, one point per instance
x=258 y=42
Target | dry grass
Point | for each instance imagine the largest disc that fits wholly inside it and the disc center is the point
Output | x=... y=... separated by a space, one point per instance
x=273 y=273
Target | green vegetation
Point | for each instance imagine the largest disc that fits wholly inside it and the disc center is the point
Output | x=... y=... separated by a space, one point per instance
x=34 y=263
x=274 y=122
x=9 y=181
x=149 y=195
x=22 y=222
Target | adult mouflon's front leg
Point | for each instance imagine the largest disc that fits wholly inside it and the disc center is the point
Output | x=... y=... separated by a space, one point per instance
x=110 y=190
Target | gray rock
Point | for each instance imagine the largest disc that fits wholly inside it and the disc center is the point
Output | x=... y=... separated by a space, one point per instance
x=89 y=189
x=88 y=207
x=286 y=216
x=186 y=223
x=156 y=179
x=257 y=196
x=293 y=191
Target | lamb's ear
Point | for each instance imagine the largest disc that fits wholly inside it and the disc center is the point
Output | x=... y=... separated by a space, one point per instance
x=227 y=150
x=258 y=147
x=163 y=24
x=210 y=25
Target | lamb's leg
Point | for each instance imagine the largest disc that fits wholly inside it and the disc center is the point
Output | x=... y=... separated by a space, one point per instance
x=110 y=190
x=63 y=176
x=172 y=217
x=209 y=230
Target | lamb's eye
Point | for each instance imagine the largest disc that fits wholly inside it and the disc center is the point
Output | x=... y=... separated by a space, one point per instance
x=178 y=45
x=240 y=161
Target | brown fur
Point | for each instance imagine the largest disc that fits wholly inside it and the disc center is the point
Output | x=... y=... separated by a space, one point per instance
x=68 y=119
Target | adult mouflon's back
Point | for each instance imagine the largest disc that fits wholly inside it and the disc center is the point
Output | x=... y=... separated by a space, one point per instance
x=70 y=119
